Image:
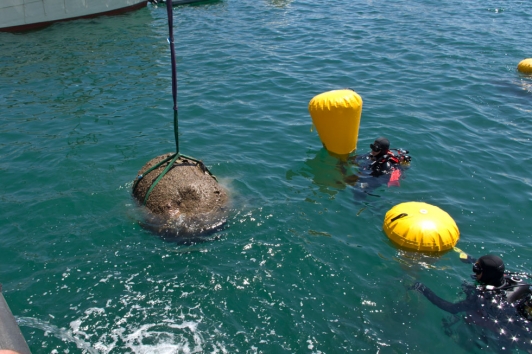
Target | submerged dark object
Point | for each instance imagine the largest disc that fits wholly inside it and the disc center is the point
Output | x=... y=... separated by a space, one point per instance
x=187 y=200
x=185 y=2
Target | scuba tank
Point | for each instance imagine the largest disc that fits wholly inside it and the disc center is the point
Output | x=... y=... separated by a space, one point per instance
x=403 y=157
x=519 y=292
x=515 y=288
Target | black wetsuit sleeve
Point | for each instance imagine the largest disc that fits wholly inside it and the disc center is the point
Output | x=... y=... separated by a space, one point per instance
x=450 y=307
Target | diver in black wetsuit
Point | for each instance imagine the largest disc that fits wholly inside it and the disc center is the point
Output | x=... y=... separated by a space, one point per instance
x=383 y=161
x=500 y=302
x=379 y=166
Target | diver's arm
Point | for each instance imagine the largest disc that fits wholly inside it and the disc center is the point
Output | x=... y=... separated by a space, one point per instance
x=438 y=301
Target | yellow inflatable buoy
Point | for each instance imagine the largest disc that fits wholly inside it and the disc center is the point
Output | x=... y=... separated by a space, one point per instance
x=421 y=227
x=525 y=66
x=336 y=116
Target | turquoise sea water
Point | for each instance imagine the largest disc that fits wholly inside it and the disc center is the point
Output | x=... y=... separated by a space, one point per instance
x=303 y=265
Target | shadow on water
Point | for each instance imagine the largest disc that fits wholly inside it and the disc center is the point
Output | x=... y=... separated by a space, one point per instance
x=183 y=231
x=279 y=3
x=189 y=2
x=413 y=262
x=331 y=175
x=324 y=172
x=186 y=229
x=520 y=88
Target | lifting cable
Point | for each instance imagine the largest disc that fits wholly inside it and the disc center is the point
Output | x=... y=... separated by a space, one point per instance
x=174 y=157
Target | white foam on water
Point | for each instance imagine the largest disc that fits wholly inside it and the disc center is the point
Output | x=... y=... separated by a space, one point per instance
x=154 y=338
x=167 y=337
x=65 y=335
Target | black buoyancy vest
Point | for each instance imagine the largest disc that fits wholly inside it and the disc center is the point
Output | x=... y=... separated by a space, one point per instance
x=384 y=163
x=514 y=288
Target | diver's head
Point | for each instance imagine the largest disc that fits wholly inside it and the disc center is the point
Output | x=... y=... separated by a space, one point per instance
x=380 y=146
x=489 y=270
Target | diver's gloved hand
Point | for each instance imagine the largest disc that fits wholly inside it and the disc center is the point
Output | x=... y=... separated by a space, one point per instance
x=418 y=286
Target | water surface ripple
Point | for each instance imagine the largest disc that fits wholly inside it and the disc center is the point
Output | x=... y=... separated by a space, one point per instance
x=303 y=265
